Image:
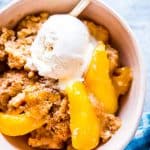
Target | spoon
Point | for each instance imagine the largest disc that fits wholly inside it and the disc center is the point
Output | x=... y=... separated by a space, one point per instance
x=79 y=7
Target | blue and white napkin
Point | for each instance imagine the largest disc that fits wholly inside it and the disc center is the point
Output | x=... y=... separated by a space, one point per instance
x=141 y=141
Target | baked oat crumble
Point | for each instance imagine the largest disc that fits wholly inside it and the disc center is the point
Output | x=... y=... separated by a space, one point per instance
x=22 y=90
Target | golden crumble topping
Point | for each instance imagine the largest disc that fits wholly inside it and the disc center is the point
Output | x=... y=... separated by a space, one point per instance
x=23 y=91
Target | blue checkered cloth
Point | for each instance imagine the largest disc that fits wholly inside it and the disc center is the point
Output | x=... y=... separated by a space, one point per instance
x=141 y=140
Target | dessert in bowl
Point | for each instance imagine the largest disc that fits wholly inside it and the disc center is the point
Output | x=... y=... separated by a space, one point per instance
x=61 y=98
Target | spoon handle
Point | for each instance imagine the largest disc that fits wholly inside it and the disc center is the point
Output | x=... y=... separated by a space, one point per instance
x=79 y=8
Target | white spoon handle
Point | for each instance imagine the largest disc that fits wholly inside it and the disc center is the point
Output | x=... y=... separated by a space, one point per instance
x=79 y=8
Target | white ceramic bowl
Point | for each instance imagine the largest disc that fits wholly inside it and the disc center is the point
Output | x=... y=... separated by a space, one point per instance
x=121 y=37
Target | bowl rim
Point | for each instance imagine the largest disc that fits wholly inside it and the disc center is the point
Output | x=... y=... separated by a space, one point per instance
x=141 y=67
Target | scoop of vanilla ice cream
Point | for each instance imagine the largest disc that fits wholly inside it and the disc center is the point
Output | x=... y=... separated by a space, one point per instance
x=62 y=48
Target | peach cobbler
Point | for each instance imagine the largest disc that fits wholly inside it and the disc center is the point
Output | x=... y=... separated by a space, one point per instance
x=52 y=112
